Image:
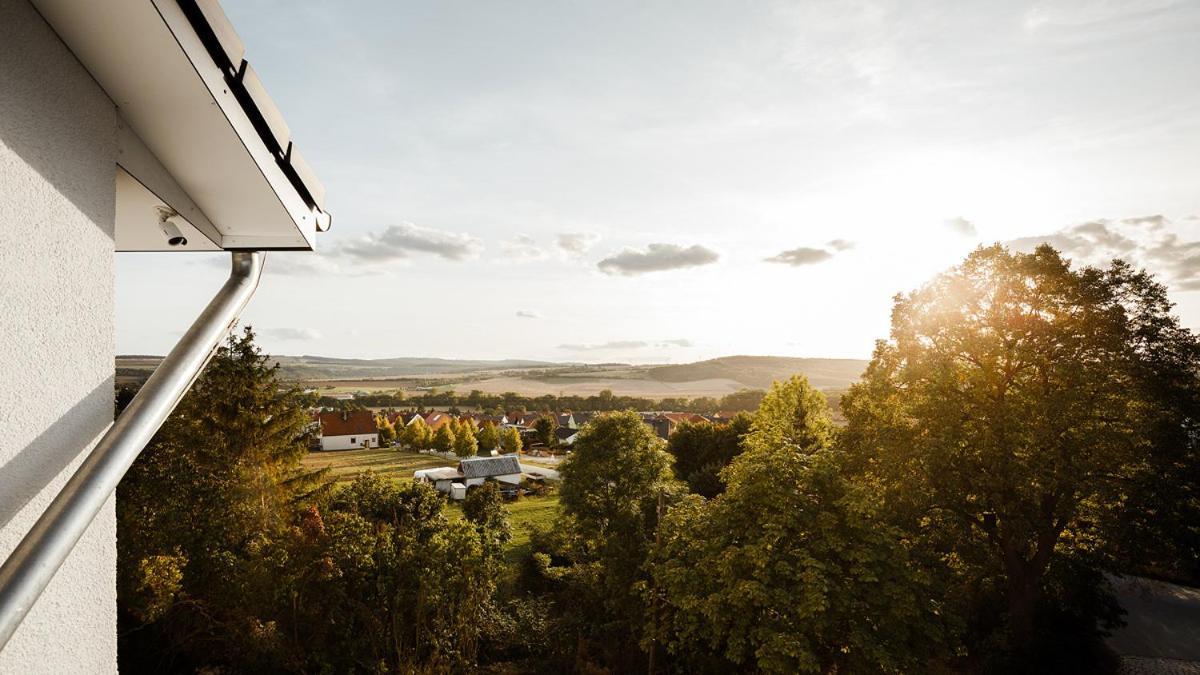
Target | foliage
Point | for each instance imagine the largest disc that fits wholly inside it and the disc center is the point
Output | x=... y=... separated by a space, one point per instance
x=791 y=569
x=489 y=437
x=510 y=440
x=465 y=444
x=615 y=482
x=484 y=507
x=195 y=510
x=443 y=439
x=1009 y=401
x=511 y=402
x=417 y=435
x=544 y=430
x=234 y=559
x=387 y=431
x=701 y=450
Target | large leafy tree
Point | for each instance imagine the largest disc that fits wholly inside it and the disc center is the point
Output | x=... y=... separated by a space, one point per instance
x=417 y=435
x=701 y=450
x=489 y=437
x=791 y=568
x=614 y=485
x=443 y=439
x=510 y=440
x=380 y=580
x=1013 y=397
x=465 y=444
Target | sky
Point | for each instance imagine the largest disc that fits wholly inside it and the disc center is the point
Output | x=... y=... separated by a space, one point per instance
x=669 y=181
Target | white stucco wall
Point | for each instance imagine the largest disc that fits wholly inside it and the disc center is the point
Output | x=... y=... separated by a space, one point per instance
x=57 y=159
x=343 y=442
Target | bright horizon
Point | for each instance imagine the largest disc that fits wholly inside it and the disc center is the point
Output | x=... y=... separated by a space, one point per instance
x=598 y=182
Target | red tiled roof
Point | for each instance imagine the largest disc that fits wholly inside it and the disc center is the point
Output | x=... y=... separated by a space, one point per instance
x=348 y=423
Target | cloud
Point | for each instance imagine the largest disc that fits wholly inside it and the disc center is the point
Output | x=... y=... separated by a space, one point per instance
x=1094 y=241
x=528 y=314
x=523 y=248
x=615 y=344
x=626 y=345
x=577 y=243
x=292 y=333
x=807 y=255
x=1142 y=241
x=1154 y=222
x=399 y=242
x=657 y=258
x=962 y=226
x=797 y=257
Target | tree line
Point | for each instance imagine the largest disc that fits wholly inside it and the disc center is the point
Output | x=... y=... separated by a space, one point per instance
x=1026 y=429
x=496 y=404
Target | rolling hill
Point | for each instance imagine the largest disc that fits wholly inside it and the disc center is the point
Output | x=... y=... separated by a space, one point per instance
x=757 y=372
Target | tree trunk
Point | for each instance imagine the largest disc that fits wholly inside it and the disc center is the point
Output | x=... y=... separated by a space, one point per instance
x=1023 y=590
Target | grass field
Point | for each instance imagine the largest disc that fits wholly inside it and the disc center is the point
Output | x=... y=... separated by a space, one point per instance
x=524 y=516
x=346 y=465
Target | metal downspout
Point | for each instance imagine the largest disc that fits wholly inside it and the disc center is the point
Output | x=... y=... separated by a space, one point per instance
x=33 y=563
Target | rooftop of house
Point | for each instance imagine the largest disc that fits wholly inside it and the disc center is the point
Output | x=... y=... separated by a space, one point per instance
x=348 y=423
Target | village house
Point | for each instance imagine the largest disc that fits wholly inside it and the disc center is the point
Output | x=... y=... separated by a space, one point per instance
x=665 y=424
x=349 y=430
x=473 y=471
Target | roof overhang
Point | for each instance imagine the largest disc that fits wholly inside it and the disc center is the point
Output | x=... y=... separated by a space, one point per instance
x=198 y=134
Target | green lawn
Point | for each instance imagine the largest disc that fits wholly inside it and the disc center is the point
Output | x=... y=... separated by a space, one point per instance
x=346 y=465
x=524 y=515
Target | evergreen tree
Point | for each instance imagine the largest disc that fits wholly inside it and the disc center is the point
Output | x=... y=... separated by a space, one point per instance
x=200 y=507
x=544 y=430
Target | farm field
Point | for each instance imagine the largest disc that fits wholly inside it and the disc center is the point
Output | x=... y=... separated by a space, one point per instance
x=346 y=465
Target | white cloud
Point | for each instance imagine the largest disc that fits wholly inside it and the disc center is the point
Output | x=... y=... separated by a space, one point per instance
x=657 y=258
x=797 y=257
x=962 y=226
x=399 y=242
x=577 y=243
x=523 y=248
x=528 y=314
x=1142 y=240
x=292 y=334
x=624 y=345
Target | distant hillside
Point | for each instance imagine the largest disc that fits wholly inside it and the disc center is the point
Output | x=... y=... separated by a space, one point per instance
x=709 y=378
x=758 y=372
x=325 y=368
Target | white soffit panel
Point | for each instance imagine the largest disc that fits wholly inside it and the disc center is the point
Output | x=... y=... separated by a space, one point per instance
x=176 y=101
x=138 y=221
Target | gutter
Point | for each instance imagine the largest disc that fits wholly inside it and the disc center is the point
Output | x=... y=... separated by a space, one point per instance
x=33 y=563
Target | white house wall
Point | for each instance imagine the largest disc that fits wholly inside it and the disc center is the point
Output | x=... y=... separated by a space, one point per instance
x=343 y=442
x=57 y=170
